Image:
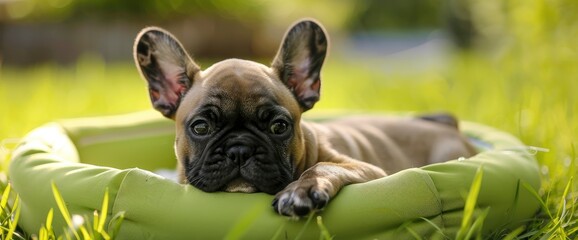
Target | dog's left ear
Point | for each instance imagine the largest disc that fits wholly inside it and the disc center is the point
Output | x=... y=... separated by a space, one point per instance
x=299 y=60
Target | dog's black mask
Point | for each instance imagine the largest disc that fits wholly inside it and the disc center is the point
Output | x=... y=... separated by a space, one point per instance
x=251 y=148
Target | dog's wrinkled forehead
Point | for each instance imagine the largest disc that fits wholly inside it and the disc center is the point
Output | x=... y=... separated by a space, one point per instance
x=236 y=71
x=237 y=84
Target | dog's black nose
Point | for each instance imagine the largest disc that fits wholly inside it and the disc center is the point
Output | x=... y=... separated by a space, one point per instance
x=239 y=153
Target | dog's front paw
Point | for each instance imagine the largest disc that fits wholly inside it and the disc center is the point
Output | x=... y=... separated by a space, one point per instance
x=302 y=197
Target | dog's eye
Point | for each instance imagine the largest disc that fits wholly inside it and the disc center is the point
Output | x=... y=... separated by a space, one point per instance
x=279 y=127
x=200 y=128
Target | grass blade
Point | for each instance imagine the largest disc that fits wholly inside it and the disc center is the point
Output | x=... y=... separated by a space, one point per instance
x=85 y=234
x=42 y=234
x=476 y=227
x=96 y=220
x=49 y=219
x=278 y=232
x=562 y=206
x=438 y=229
x=471 y=202
x=298 y=236
x=103 y=212
x=5 y=197
x=515 y=233
x=324 y=231
x=414 y=234
x=63 y=209
x=116 y=222
x=536 y=195
x=46 y=232
x=245 y=222
x=14 y=223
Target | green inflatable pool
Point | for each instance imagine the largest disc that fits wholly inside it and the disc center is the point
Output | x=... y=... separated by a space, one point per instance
x=83 y=157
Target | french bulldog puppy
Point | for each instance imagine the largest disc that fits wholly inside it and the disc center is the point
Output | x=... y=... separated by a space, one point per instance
x=239 y=127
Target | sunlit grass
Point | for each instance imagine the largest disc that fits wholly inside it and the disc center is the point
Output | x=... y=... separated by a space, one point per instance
x=33 y=96
x=89 y=229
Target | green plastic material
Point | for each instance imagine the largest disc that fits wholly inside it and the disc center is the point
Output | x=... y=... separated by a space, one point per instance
x=84 y=157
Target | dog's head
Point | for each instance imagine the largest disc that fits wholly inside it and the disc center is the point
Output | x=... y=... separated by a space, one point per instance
x=237 y=122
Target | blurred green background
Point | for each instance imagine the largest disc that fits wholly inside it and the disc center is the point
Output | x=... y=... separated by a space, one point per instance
x=508 y=64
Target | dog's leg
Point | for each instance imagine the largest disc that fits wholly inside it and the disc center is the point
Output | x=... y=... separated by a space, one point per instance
x=317 y=185
x=448 y=148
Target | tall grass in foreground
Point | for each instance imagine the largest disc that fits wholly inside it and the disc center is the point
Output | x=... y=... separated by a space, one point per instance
x=89 y=229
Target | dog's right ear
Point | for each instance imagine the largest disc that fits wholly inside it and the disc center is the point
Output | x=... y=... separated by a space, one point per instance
x=299 y=60
x=167 y=68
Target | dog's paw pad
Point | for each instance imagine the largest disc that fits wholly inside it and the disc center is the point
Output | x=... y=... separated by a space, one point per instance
x=319 y=199
x=299 y=201
x=301 y=210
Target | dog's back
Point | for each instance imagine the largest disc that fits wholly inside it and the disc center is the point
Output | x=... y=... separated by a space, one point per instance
x=397 y=143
